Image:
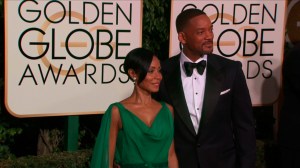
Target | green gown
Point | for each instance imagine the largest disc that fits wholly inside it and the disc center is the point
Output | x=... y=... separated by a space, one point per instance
x=138 y=145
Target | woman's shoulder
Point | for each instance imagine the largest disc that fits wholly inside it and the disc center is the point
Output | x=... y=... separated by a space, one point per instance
x=169 y=107
x=113 y=112
x=113 y=108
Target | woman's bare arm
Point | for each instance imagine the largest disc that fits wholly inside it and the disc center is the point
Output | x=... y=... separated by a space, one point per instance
x=172 y=159
x=114 y=129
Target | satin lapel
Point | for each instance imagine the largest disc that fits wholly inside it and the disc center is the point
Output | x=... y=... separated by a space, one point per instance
x=175 y=90
x=212 y=90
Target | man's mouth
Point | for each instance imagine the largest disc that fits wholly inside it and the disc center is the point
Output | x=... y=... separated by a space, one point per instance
x=208 y=43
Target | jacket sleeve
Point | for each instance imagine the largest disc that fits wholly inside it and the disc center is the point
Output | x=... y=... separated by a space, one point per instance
x=243 y=122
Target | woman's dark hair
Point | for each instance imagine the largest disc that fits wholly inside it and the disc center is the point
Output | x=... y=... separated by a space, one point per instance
x=184 y=17
x=138 y=59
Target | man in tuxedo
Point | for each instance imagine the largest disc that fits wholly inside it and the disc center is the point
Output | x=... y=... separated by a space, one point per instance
x=214 y=124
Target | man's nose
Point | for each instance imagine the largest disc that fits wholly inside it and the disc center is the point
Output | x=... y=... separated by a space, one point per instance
x=209 y=35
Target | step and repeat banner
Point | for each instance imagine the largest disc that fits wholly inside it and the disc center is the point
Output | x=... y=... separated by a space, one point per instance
x=250 y=31
x=66 y=57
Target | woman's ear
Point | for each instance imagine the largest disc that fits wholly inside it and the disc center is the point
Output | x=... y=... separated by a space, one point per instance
x=132 y=74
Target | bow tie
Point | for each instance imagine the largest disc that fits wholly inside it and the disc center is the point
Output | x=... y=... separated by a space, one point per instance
x=189 y=67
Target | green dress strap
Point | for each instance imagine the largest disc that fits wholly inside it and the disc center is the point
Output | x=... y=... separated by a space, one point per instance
x=100 y=157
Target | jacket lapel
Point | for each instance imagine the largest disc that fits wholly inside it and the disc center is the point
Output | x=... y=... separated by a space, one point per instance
x=212 y=90
x=175 y=90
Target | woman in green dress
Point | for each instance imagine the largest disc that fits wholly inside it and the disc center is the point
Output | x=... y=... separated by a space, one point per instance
x=138 y=131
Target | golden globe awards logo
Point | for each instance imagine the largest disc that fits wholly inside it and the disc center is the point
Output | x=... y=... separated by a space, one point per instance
x=63 y=50
x=94 y=36
x=251 y=32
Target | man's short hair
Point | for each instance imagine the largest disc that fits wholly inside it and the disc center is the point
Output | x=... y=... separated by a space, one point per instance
x=183 y=18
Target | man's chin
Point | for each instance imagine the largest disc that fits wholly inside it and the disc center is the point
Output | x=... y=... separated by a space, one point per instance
x=208 y=52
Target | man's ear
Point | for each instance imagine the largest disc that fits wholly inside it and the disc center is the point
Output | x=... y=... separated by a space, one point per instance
x=181 y=37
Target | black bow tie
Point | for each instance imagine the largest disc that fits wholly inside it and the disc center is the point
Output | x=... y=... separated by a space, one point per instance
x=189 y=66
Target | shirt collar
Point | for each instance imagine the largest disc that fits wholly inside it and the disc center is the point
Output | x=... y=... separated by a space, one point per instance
x=184 y=58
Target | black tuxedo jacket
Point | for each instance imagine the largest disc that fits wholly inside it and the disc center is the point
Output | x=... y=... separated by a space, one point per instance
x=226 y=136
x=289 y=126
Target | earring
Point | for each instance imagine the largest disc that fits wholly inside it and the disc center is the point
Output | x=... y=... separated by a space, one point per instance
x=134 y=80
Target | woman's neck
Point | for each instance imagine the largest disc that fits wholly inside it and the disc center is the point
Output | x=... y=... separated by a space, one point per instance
x=141 y=96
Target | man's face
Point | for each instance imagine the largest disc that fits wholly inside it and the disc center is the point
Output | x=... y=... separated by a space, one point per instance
x=197 y=36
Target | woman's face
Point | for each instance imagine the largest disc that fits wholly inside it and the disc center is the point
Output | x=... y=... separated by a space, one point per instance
x=153 y=78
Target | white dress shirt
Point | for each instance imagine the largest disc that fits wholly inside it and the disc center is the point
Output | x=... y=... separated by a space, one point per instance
x=193 y=90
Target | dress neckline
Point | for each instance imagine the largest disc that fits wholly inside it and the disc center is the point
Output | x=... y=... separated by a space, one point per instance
x=149 y=126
